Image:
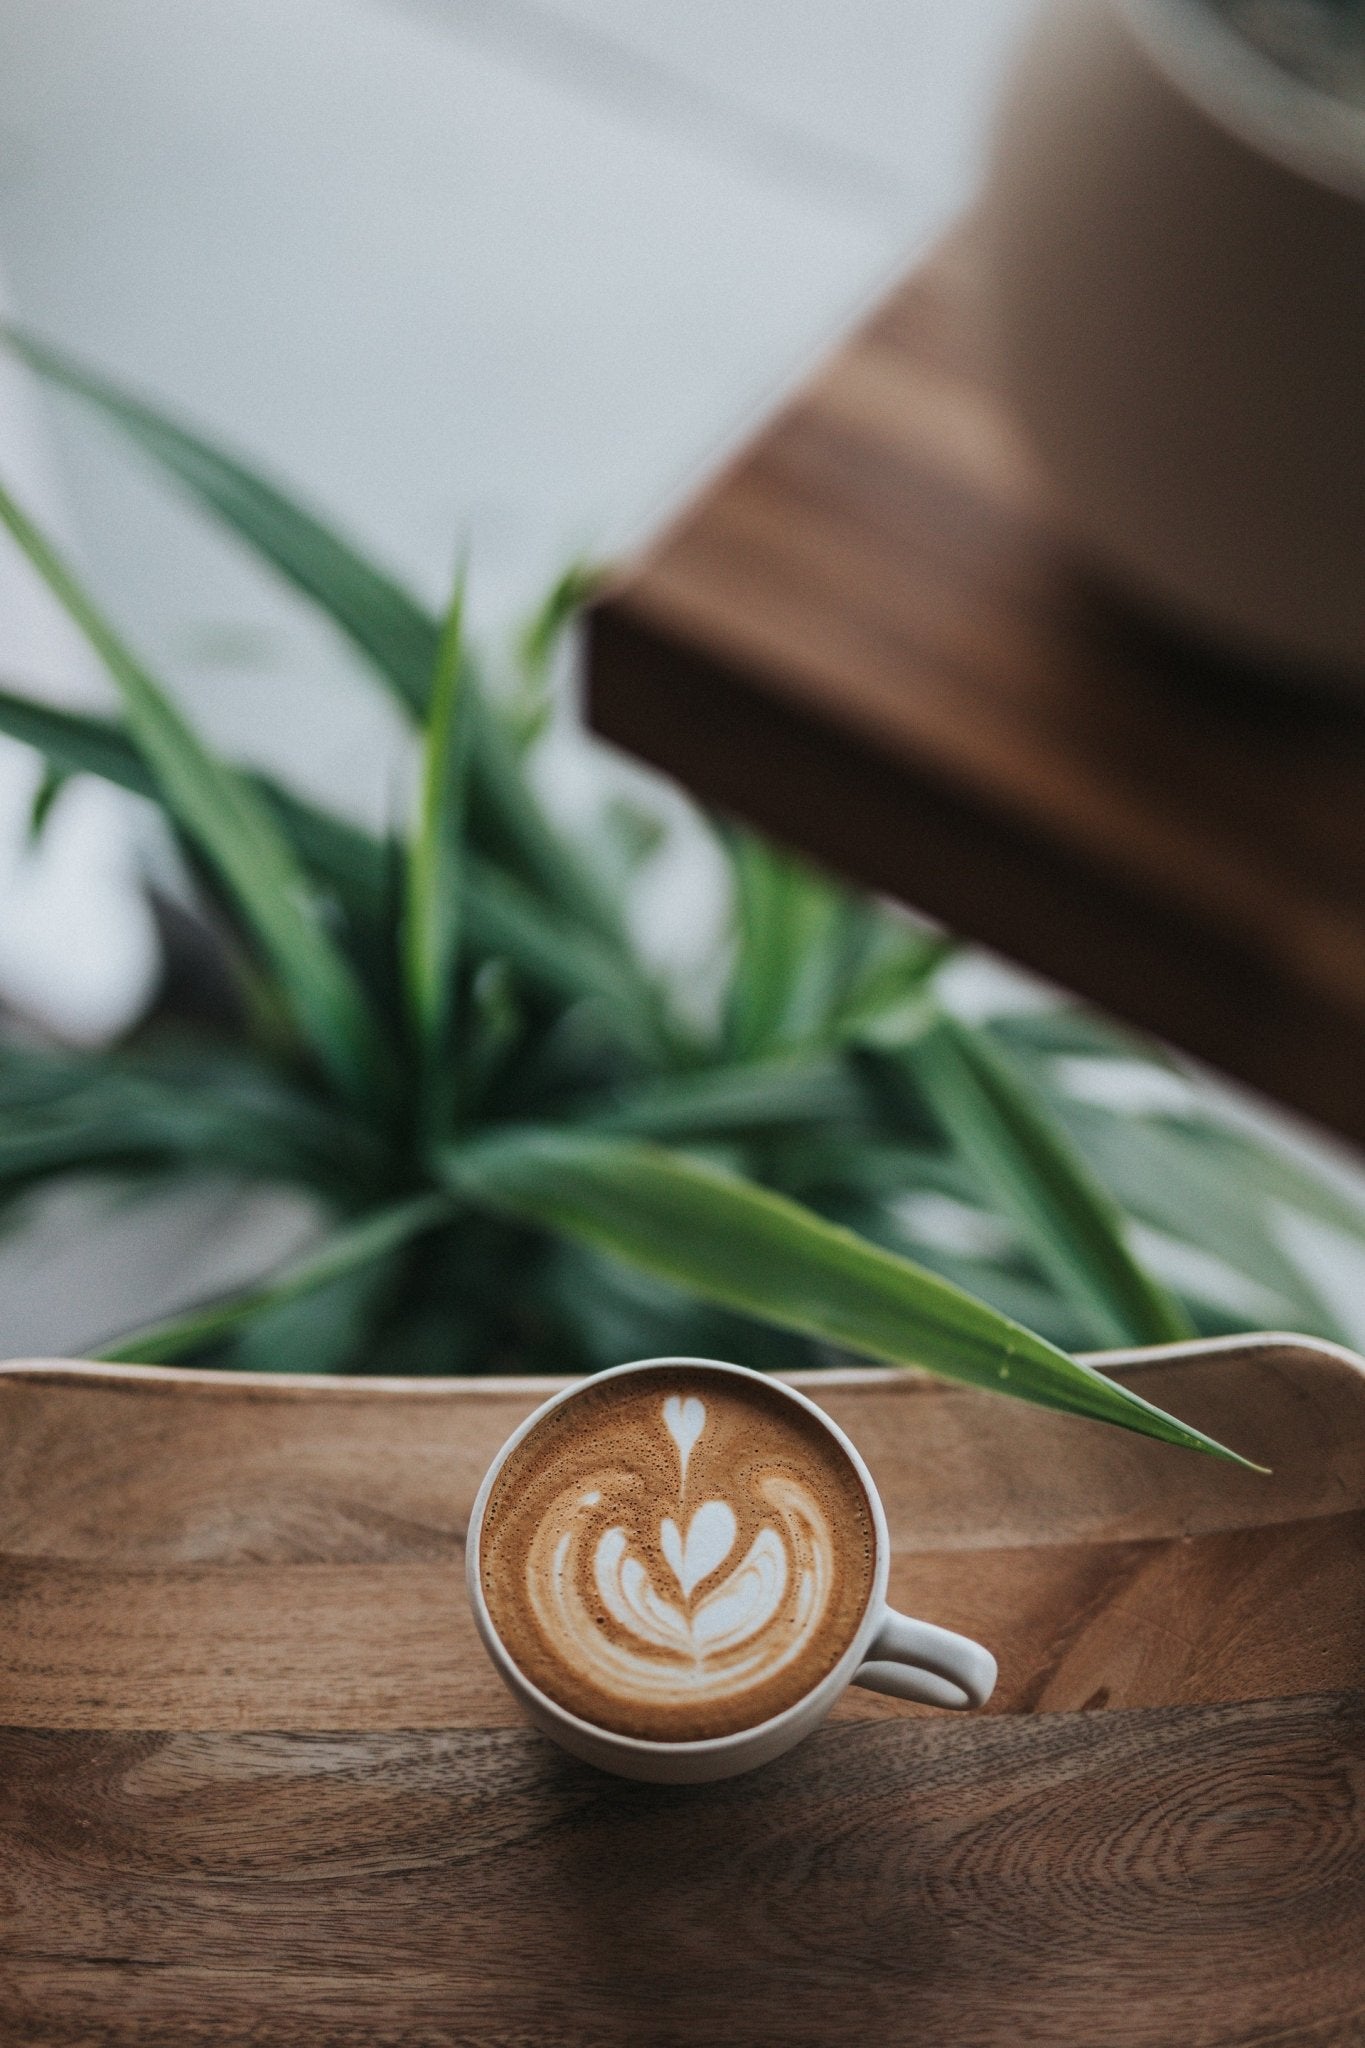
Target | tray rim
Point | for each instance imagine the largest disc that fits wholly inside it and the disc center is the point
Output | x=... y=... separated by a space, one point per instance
x=285 y=1386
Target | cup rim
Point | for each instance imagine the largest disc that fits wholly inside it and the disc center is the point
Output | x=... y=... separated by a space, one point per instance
x=1241 y=87
x=707 y=1745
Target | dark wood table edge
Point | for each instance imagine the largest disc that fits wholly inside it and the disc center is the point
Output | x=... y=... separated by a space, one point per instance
x=651 y=692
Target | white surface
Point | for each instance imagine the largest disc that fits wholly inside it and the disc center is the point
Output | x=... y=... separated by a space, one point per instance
x=78 y=951
x=879 y=100
x=453 y=268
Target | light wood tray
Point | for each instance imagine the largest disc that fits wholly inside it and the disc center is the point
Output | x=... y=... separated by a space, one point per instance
x=259 y=1783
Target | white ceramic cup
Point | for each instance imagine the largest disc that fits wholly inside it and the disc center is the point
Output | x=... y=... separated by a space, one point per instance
x=890 y=1653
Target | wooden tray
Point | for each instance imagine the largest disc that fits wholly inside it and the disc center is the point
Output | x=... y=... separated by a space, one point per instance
x=259 y=1784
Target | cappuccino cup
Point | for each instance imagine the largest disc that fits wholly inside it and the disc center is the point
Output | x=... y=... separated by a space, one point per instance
x=677 y=1566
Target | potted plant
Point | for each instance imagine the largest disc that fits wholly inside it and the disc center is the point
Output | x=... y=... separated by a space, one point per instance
x=526 y=1158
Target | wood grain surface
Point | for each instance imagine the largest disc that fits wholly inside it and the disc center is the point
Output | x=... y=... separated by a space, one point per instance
x=867 y=637
x=259 y=1784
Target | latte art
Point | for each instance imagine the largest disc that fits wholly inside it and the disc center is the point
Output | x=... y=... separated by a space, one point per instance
x=677 y=1554
x=712 y=1625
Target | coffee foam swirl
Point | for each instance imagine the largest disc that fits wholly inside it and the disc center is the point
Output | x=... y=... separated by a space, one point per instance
x=687 y=1563
x=710 y=1630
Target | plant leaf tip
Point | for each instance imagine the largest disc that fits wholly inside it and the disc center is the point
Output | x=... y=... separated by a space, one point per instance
x=1195 y=1440
x=1248 y=1464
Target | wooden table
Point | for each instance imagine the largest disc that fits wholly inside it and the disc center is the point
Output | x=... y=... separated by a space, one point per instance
x=866 y=637
x=259 y=1784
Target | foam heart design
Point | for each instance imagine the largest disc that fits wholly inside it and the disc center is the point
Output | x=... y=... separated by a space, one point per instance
x=710 y=1539
x=684 y=1419
x=598 y=1601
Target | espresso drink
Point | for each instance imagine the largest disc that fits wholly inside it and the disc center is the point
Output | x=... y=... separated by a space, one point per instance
x=677 y=1554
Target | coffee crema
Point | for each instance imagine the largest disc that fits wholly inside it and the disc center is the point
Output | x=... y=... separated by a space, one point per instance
x=677 y=1554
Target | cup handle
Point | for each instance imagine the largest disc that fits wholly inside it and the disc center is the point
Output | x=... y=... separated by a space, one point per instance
x=913 y=1660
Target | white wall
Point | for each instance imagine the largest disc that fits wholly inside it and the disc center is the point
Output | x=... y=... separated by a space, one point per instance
x=506 y=273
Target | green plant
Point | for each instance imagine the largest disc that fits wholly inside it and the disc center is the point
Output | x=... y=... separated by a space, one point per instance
x=528 y=1158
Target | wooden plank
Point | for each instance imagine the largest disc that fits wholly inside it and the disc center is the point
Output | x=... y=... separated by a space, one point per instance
x=258 y=1781
x=867 y=638
x=1139 y=1879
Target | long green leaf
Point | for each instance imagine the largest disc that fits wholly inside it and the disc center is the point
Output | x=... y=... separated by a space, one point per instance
x=335 y=1328
x=502 y=918
x=1167 y=1176
x=608 y=1311
x=814 y=960
x=68 y=1113
x=1006 y=1282
x=347 y=1250
x=508 y=826
x=541 y=634
x=528 y=712
x=891 y=1001
x=801 y=1089
x=1260 y=1167
x=1032 y=1173
x=54 y=781
x=505 y=919
x=346 y=863
x=788 y=924
x=431 y=910
x=347 y=859
x=746 y=1248
x=1056 y=1032
x=1197 y=1177
x=234 y=831
x=77 y=742
x=382 y=620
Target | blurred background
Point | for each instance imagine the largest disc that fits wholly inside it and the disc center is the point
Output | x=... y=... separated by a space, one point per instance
x=501 y=273
x=504 y=275
x=507 y=270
